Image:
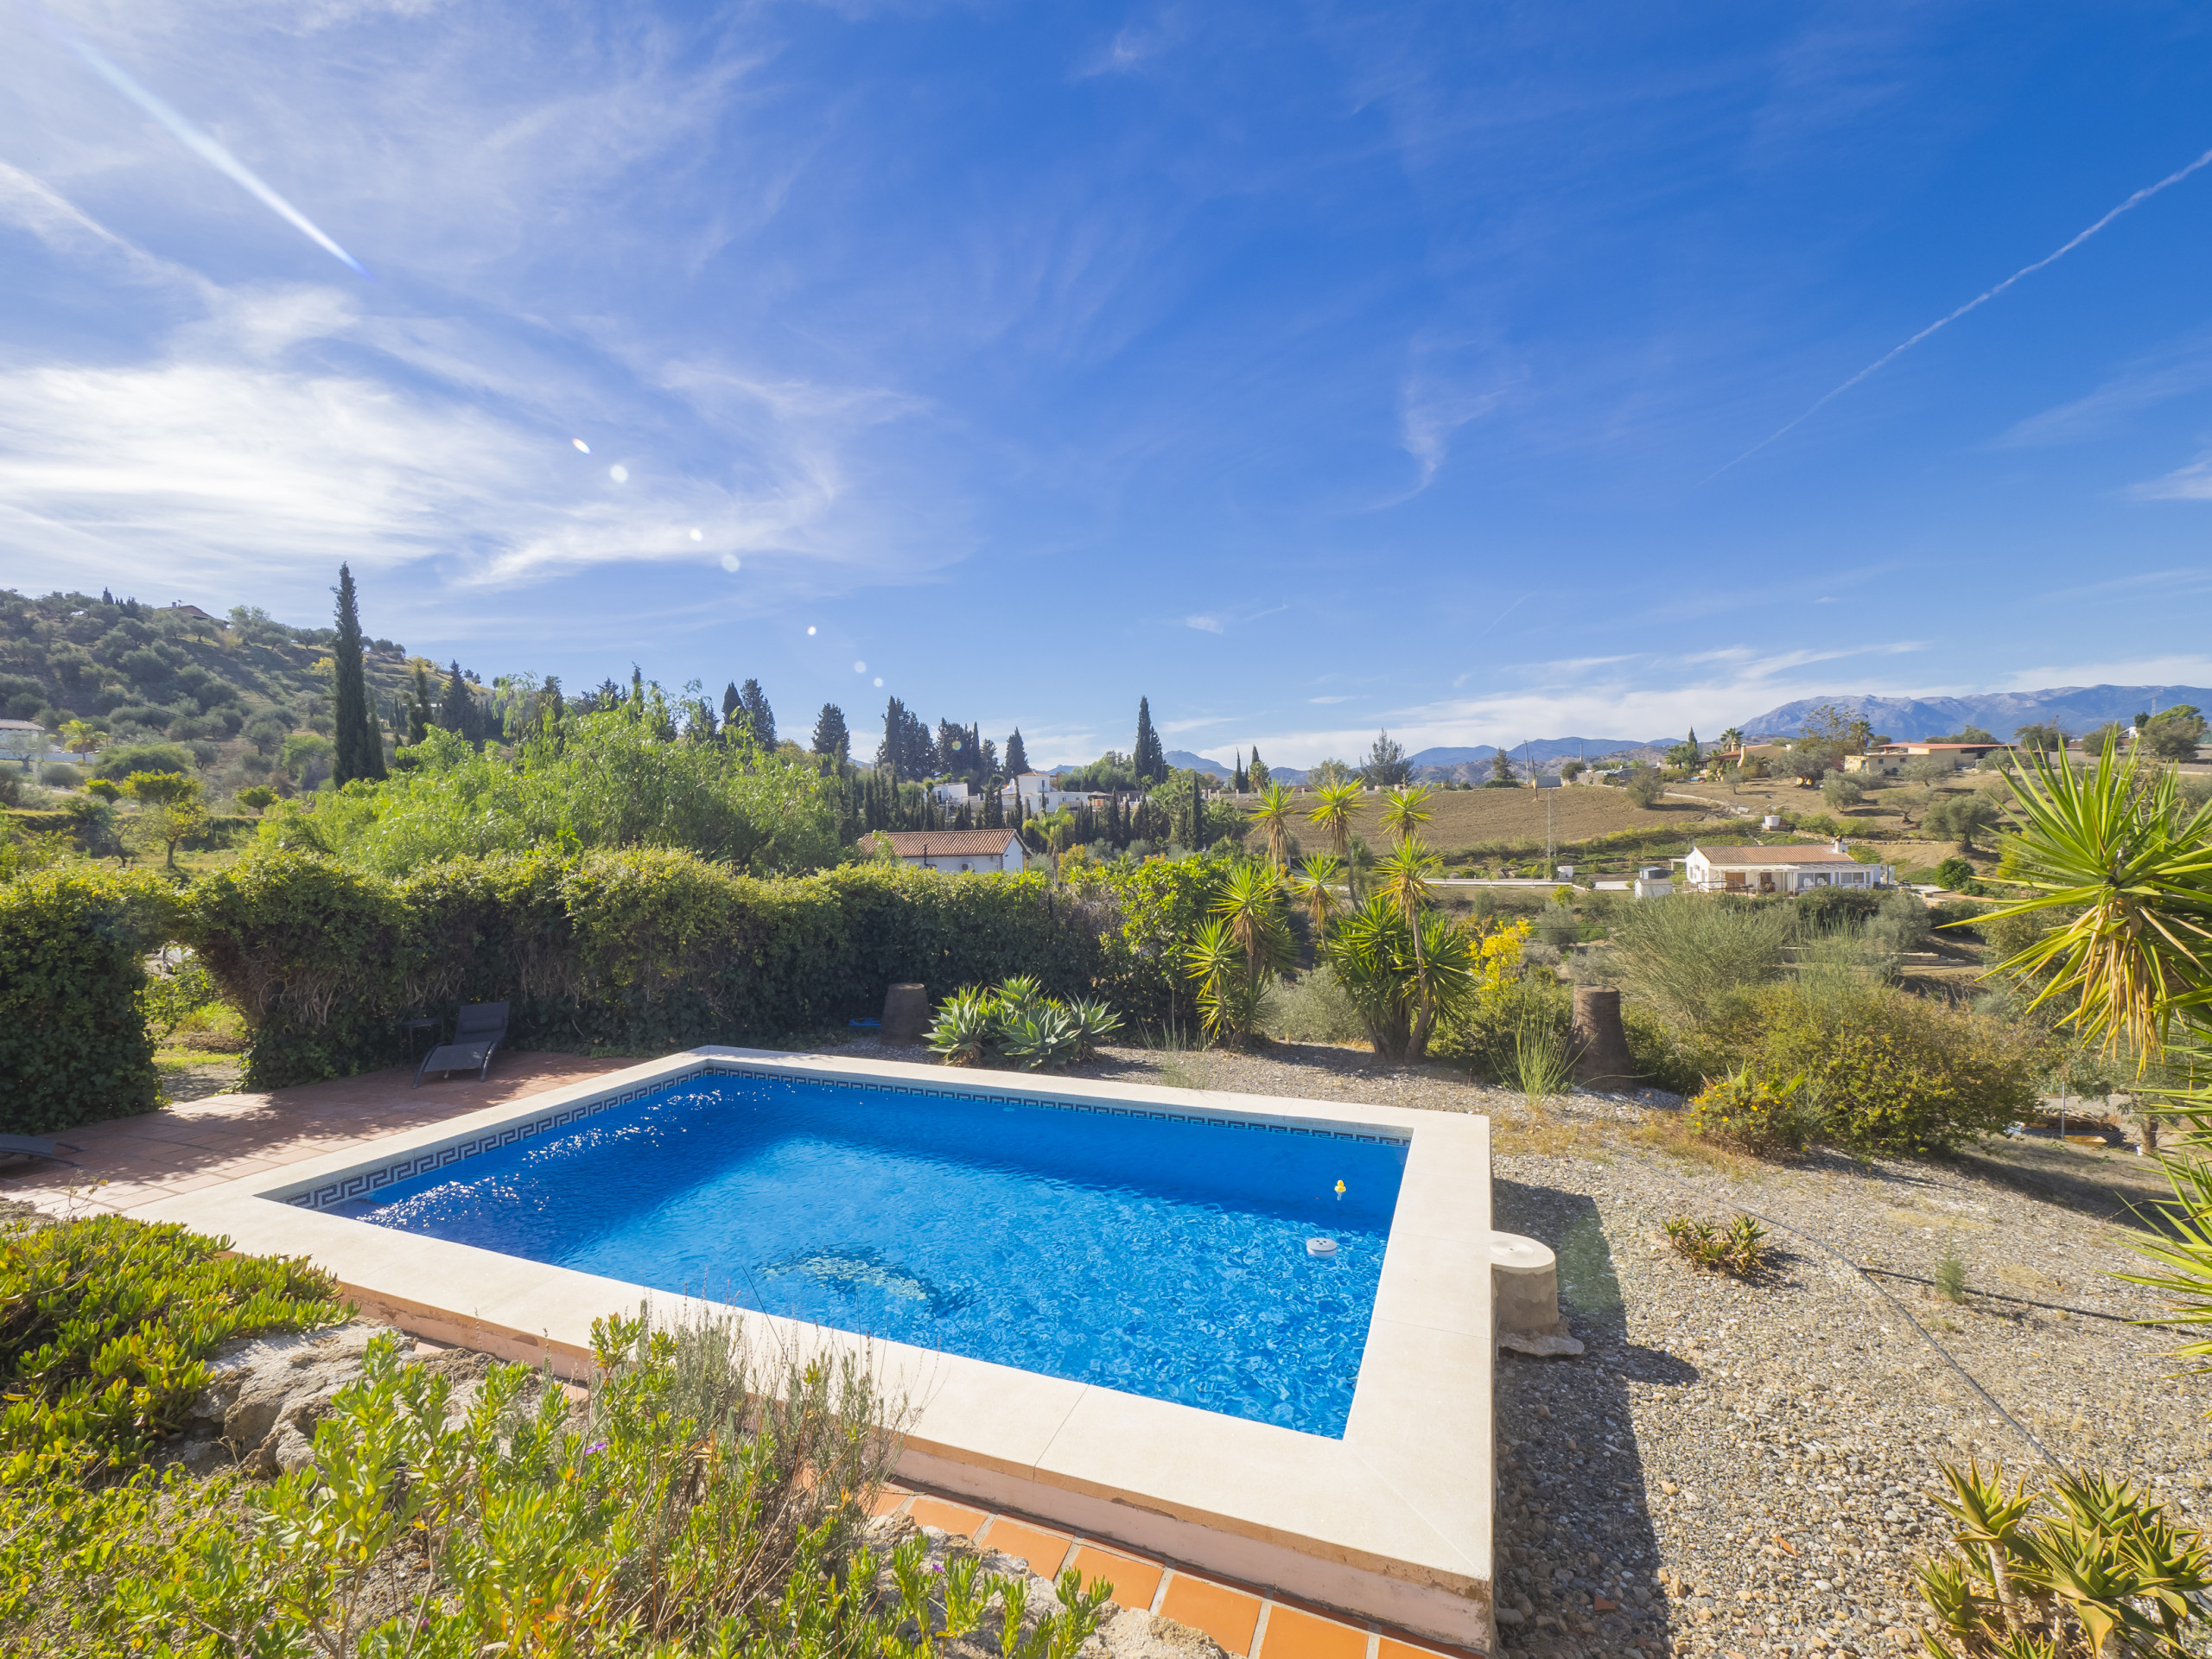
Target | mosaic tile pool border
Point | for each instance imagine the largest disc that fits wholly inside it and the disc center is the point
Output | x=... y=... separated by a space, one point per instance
x=351 y=1184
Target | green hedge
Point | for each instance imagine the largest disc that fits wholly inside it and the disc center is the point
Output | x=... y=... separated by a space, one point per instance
x=638 y=951
x=74 y=1044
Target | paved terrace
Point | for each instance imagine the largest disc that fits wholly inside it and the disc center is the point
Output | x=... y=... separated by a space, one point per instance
x=129 y=1161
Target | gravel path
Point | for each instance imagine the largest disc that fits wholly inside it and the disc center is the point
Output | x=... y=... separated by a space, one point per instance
x=1741 y=1469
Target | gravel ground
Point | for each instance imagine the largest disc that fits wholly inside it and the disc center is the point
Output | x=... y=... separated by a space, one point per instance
x=1741 y=1469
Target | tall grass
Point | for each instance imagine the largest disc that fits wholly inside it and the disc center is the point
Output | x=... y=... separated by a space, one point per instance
x=1541 y=1065
x=1685 y=953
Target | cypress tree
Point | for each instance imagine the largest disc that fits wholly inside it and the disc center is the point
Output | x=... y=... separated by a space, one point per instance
x=830 y=737
x=358 y=742
x=1017 y=756
x=1150 y=759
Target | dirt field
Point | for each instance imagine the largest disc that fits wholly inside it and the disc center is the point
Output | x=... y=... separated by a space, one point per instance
x=1467 y=818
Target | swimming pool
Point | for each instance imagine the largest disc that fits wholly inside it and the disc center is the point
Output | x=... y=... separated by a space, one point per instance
x=1149 y=1252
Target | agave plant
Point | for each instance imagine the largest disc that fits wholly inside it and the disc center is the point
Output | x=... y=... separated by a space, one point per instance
x=1020 y=993
x=1044 y=1034
x=964 y=1025
x=2084 y=1568
x=1096 y=1023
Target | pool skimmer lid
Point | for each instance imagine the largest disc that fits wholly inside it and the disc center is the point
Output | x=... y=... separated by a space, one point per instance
x=1322 y=1247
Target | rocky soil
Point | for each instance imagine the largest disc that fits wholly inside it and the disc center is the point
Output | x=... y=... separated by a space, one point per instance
x=1732 y=1468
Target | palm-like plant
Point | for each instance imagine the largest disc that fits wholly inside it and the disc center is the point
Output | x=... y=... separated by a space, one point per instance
x=1315 y=886
x=2134 y=868
x=1401 y=977
x=1338 y=804
x=1404 y=811
x=1273 y=812
x=1236 y=952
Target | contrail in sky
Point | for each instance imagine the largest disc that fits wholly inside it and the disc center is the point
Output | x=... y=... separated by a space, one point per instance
x=202 y=146
x=1896 y=352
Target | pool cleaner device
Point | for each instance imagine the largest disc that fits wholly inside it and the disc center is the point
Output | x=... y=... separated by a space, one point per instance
x=1326 y=1248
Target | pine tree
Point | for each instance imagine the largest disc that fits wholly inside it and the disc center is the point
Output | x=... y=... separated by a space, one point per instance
x=830 y=737
x=1149 y=759
x=758 y=715
x=636 y=689
x=358 y=739
x=1017 y=757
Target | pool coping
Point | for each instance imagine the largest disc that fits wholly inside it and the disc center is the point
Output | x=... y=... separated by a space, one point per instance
x=1394 y=1520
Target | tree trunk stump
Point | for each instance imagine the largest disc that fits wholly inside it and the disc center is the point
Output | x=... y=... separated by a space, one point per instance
x=1599 y=1044
x=906 y=1014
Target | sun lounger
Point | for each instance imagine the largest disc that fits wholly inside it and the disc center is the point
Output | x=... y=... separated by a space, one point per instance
x=32 y=1146
x=477 y=1034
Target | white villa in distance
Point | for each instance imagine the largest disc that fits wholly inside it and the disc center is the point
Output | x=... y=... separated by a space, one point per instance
x=956 y=852
x=1780 y=870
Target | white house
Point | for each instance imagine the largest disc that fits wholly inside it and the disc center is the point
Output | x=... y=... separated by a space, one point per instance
x=1891 y=759
x=1796 y=868
x=23 y=740
x=956 y=852
x=1035 y=791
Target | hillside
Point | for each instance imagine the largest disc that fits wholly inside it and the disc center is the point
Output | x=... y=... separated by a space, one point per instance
x=229 y=690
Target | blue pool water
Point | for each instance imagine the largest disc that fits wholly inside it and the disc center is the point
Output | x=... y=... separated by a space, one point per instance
x=1164 y=1256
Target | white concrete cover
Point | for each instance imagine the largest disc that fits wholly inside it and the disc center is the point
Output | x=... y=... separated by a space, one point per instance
x=1394 y=1520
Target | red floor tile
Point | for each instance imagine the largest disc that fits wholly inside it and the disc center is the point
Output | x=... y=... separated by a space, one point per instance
x=1295 y=1635
x=1135 y=1581
x=1043 y=1550
x=1228 y=1616
x=950 y=1517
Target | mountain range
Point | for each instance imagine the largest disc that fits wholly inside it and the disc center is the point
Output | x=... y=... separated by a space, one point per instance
x=2073 y=709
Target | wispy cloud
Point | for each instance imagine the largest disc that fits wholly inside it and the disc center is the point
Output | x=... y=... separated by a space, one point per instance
x=2175 y=373
x=1330 y=700
x=2189 y=483
x=1203 y=624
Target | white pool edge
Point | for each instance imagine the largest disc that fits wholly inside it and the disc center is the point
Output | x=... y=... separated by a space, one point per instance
x=1394 y=1522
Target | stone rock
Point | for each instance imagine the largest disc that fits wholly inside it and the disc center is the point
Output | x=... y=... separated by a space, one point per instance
x=1135 y=1634
x=267 y=1394
x=1540 y=1347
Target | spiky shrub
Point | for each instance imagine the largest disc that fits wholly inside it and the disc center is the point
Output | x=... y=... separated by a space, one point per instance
x=1045 y=1035
x=1541 y=1065
x=1686 y=953
x=1096 y=1024
x=1738 y=1249
x=2082 y=1568
x=965 y=1023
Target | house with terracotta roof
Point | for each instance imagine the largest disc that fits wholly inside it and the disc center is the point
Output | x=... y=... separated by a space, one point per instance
x=1890 y=758
x=1795 y=867
x=956 y=852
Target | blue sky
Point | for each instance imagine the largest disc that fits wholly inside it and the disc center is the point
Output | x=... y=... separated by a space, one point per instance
x=1307 y=369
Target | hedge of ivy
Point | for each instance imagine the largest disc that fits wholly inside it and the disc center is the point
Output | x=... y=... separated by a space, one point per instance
x=74 y=1044
x=638 y=951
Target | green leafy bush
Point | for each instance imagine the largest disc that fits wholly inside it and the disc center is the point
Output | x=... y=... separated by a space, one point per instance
x=73 y=1047
x=1655 y=1054
x=643 y=950
x=1882 y=1070
x=119 y=762
x=1487 y=1038
x=708 y=1506
x=1753 y=1109
x=105 y=1323
x=1684 y=953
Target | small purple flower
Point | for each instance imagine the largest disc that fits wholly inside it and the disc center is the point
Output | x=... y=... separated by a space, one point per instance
x=595 y=1447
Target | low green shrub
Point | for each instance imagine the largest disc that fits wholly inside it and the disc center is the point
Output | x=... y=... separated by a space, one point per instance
x=1017 y=1022
x=1740 y=1250
x=1657 y=1055
x=1753 y=1110
x=106 y=1323
x=1314 y=1008
x=73 y=1045
x=1488 y=1038
x=1881 y=1070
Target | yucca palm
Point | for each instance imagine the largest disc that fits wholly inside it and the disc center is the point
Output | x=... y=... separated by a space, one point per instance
x=1273 y=812
x=1402 y=978
x=1337 y=805
x=1235 y=954
x=2119 y=852
x=1404 y=811
x=1250 y=900
x=1315 y=886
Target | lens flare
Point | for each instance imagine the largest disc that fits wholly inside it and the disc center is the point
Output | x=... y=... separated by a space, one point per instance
x=731 y=562
x=860 y=668
x=698 y=535
x=810 y=634
x=618 y=472
x=879 y=679
x=581 y=445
